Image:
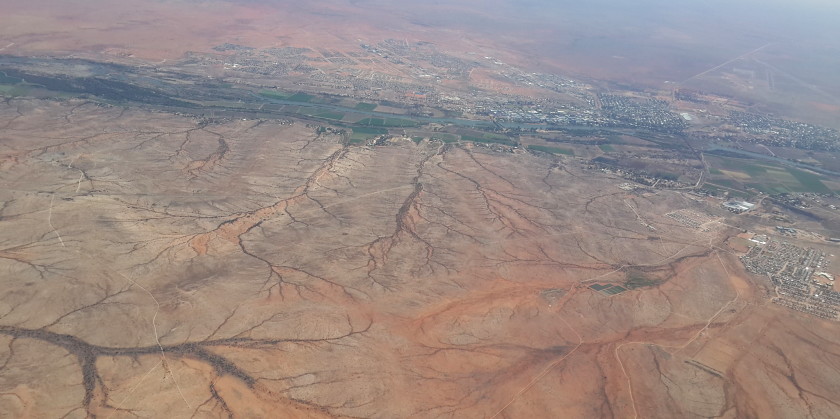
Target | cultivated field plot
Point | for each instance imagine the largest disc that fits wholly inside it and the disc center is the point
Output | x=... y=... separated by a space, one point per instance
x=158 y=265
x=766 y=177
x=608 y=289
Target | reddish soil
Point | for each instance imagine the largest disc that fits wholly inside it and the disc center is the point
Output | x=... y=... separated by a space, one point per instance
x=296 y=276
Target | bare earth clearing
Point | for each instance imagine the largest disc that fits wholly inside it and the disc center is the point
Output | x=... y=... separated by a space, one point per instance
x=158 y=265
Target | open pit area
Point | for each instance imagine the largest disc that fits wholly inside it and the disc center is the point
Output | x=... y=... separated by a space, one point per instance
x=155 y=264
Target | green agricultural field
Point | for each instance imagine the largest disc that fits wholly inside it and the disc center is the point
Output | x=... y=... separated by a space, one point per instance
x=770 y=189
x=778 y=180
x=552 y=150
x=273 y=107
x=494 y=135
x=13 y=90
x=729 y=183
x=13 y=86
x=732 y=164
x=330 y=115
x=754 y=170
x=397 y=122
x=376 y=122
x=387 y=122
x=369 y=130
x=809 y=181
x=766 y=177
x=608 y=289
x=362 y=106
x=482 y=134
x=276 y=94
x=300 y=97
x=618 y=289
x=606 y=148
x=273 y=94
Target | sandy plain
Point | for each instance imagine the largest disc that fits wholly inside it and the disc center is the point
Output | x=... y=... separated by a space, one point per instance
x=168 y=265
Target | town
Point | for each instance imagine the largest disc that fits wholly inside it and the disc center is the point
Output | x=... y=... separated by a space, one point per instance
x=424 y=80
x=798 y=274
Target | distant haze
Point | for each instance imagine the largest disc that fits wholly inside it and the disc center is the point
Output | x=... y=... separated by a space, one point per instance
x=642 y=42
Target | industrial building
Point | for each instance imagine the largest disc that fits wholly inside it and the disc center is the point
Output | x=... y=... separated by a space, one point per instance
x=738 y=206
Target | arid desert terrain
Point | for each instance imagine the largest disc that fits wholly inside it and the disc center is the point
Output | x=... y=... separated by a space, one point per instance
x=167 y=265
x=353 y=209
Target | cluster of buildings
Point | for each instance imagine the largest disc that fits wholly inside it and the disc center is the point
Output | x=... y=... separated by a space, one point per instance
x=738 y=206
x=429 y=80
x=690 y=218
x=426 y=75
x=799 y=277
x=611 y=111
x=640 y=177
x=787 y=231
x=653 y=114
x=769 y=130
x=410 y=55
